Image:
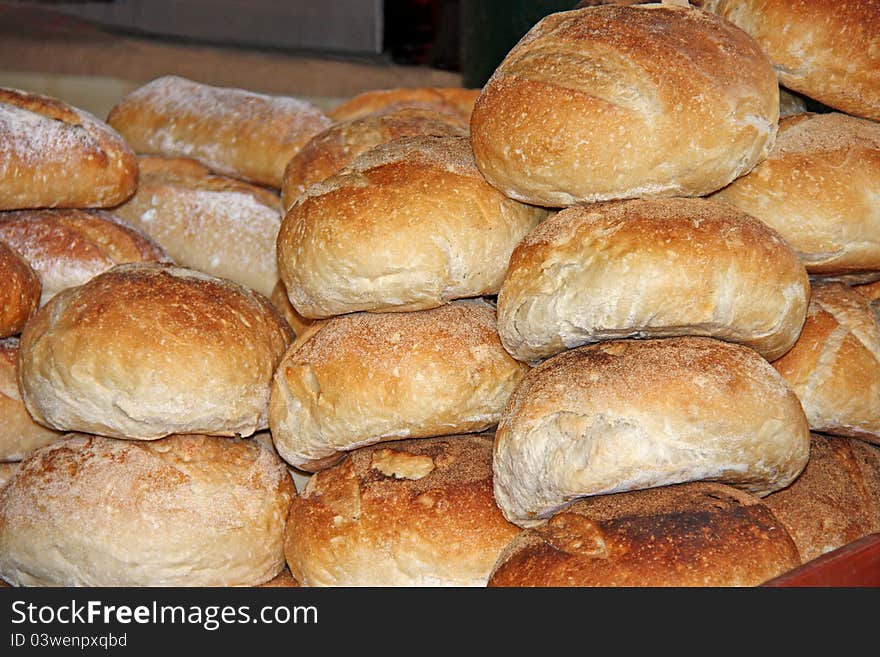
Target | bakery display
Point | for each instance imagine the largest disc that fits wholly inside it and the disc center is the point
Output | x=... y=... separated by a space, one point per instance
x=616 y=102
x=20 y=293
x=235 y=132
x=55 y=155
x=408 y=225
x=817 y=188
x=651 y=268
x=182 y=511
x=212 y=223
x=405 y=513
x=363 y=378
x=146 y=350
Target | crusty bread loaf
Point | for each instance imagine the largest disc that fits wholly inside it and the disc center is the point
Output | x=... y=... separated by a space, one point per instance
x=415 y=512
x=834 y=367
x=632 y=414
x=651 y=268
x=835 y=500
x=408 y=225
x=19 y=434
x=20 y=292
x=55 y=155
x=618 y=102
x=181 y=511
x=818 y=188
x=457 y=102
x=67 y=247
x=145 y=350
x=368 y=377
x=824 y=49
x=337 y=146
x=235 y=132
x=694 y=534
x=871 y=291
x=212 y=223
x=296 y=321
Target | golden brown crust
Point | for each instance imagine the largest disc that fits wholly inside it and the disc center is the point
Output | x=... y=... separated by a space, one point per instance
x=235 y=132
x=181 y=511
x=457 y=102
x=20 y=292
x=283 y=580
x=697 y=534
x=408 y=225
x=364 y=378
x=835 y=500
x=817 y=188
x=296 y=321
x=337 y=146
x=651 y=268
x=622 y=102
x=212 y=223
x=145 y=350
x=7 y=469
x=824 y=49
x=66 y=247
x=55 y=155
x=415 y=512
x=834 y=367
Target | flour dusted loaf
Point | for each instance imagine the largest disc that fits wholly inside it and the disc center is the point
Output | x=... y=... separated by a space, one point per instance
x=416 y=512
x=364 y=378
x=20 y=293
x=408 y=225
x=651 y=268
x=616 y=102
x=818 y=188
x=212 y=223
x=824 y=49
x=632 y=414
x=834 y=367
x=692 y=534
x=456 y=102
x=55 y=155
x=67 y=247
x=182 y=511
x=235 y=132
x=146 y=350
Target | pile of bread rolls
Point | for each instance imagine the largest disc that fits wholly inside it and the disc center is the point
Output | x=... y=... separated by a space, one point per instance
x=607 y=321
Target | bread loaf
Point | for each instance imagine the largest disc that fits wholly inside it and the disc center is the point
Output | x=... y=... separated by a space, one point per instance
x=146 y=350
x=632 y=414
x=181 y=511
x=235 y=132
x=651 y=268
x=457 y=102
x=55 y=155
x=408 y=225
x=281 y=301
x=211 y=223
x=20 y=293
x=67 y=247
x=619 y=102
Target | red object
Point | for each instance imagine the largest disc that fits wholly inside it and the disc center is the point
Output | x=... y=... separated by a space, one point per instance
x=854 y=564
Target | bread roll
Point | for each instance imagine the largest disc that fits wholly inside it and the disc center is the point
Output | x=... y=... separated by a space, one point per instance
x=55 y=155
x=696 y=534
x=871 y=291
x=834 y=367
x=818 y=188
x=621 y=102
x=145 y=350
x=825 y=50
x=19 y=434
x=409 y=225
x=235 y=132
x=296 y=321
x=365 y=378
x=211 y=223
x=182 y=511
x=20 y=292
x=625 y=415
x=457 y=102
x=835 y=500
x=651 y=268
x=416 y=512
x=329 y=151
x=68 y=247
